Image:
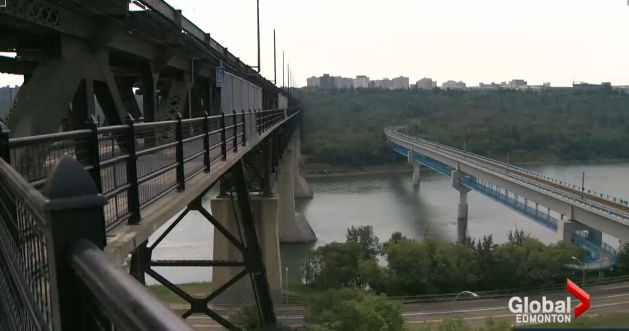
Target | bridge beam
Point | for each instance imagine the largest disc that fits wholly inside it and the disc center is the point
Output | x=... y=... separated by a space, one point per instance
x=457 y=183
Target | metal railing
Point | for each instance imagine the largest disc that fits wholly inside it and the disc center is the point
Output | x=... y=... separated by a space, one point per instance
x=136 y=164
x=54 y=274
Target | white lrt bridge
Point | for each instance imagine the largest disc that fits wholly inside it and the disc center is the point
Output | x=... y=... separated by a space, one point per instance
x=583 y=213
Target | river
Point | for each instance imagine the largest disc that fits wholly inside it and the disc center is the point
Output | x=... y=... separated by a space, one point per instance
x=389 y=203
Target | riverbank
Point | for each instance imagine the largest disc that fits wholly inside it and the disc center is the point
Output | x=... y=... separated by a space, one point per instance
x=326 y=170
x=320 y=170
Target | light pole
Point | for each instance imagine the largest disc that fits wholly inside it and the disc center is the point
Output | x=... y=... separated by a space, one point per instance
x=258 y=15
x=286 y=284
x=582 y=269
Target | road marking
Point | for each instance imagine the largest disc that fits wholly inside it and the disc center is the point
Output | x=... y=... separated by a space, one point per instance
x=465 y=318
x=437 y=312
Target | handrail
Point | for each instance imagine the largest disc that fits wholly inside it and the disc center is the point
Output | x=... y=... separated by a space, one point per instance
x=125 y=302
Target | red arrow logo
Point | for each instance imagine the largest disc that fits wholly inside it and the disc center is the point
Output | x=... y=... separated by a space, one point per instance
x=580 y=294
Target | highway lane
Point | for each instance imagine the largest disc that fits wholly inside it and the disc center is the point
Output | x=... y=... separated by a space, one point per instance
x=605 y=299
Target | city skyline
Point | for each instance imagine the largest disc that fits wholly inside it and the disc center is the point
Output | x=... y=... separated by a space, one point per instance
x=487 y=40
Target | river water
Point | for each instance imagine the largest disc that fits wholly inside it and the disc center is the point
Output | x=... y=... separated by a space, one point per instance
x=389 y=203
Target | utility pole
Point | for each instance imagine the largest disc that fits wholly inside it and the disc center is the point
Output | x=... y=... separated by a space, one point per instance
x=258 y=7
x=274 y=60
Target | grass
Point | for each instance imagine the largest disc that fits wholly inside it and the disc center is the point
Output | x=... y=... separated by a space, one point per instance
x=616 y=320
x=167 y=296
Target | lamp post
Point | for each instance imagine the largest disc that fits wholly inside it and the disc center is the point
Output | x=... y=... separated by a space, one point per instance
x=286 y=284
x=582 y=269
x=258 y=16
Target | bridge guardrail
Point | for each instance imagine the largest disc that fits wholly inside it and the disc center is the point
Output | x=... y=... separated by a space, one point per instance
x=52 y=264
x=135 y=164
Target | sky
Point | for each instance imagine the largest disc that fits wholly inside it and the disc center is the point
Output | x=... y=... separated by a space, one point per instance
x=557 y=41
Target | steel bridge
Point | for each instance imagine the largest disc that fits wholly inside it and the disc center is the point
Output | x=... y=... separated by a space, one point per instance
x=583 y=214
x=128 y=116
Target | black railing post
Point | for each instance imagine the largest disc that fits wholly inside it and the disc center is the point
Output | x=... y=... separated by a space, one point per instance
x=244 y=128
x=5 y=148
x=133 y=194
x=93 y=148
x=235 y=123
x=223 y=138
x=75 y=211
x=181 y=178
x=206 y=143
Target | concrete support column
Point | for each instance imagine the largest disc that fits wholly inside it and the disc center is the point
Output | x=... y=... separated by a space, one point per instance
x=416 y=173
x=265 y=211
x=463 y=208
x=300 y=185
x=565 y=230
x=293 y=227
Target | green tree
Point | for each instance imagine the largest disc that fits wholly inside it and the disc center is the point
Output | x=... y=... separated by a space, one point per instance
x=350 y=309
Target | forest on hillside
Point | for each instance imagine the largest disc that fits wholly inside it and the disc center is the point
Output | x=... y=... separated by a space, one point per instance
x=345 y=127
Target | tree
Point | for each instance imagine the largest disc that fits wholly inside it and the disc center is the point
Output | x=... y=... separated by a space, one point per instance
x=364 y=237
x=350 y=309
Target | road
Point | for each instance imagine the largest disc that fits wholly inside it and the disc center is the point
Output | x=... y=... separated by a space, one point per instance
x=605 y=299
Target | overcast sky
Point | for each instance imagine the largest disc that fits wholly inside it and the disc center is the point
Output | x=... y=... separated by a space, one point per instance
x=471 y=40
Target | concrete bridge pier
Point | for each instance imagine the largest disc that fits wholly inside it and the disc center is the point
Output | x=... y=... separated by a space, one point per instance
x=265 y=211
x=416 y=174
x=565 y=229
x=457 y=177
x=567 y=226
x=301 y=187
x=293 y=226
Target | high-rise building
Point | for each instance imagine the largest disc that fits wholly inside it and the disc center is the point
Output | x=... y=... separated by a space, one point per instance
x=400 y=83
x=345 y=83
x=361 y=82
x=327 y=82
x=384 y=83
x=517 y=83
x=452 y=85
x=425 y=84
x=313 y=82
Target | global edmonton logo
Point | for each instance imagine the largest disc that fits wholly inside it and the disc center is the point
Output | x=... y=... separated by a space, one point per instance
x=548 y=311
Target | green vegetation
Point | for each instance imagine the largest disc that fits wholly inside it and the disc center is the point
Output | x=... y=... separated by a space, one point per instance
x=459 y=325
x=345 y=127
x=166 y=295
x=429 y=267
x=352 y=309
x=602 y=321
x=339 y=310
x=617 y=320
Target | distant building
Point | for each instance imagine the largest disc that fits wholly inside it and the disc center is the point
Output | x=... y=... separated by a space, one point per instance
x=425 y=84
x=452 y=85
x=327 y=82
x=517 y=84
x=313 y=82
x=491 y=86
x=345 y=83
x=384 y=84
x=400 y=83
x=361 y=82
x=591 y=88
